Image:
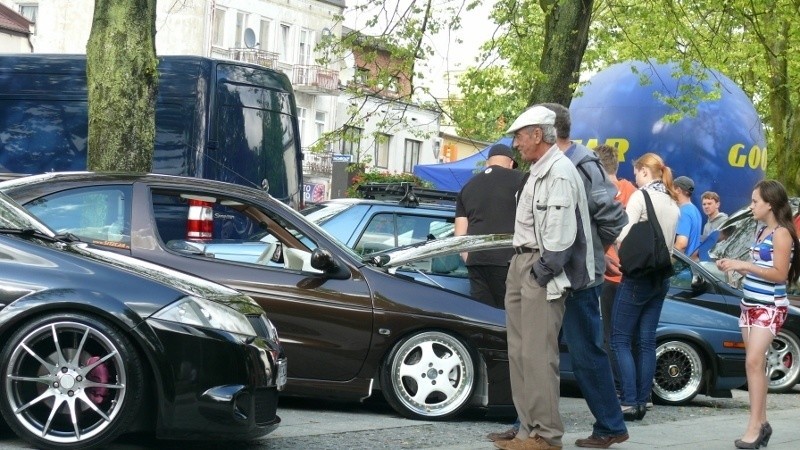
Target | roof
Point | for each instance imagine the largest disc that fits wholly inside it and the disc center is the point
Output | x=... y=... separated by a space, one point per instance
x=12 y=21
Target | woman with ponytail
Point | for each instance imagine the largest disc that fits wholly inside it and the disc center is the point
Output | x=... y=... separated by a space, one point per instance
x=774 y=262
x=637 y=305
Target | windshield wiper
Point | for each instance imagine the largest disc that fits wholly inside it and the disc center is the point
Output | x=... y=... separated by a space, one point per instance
x=34 y=233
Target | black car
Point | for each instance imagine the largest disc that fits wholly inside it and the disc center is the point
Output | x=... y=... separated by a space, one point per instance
x=348 y=327
x=96 y=344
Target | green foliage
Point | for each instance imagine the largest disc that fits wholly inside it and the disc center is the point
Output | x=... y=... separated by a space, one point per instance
x=382 y=176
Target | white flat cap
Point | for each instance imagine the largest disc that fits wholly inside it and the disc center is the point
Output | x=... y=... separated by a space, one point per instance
x=538 y=115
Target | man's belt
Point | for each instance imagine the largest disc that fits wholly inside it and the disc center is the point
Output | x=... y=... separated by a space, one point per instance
x=521 y=250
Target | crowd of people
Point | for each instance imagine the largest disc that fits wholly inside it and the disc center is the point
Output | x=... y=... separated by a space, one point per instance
x=570 y=214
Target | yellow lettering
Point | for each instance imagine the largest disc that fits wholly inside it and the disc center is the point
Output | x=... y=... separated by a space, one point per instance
x=764 y=159
x=754 y=157
x=736 y=159
x=622 y=146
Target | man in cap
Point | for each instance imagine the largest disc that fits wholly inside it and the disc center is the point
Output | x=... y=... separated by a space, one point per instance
x=582 y=328
x=553 y=254
x=690 y=224
x=485 y=205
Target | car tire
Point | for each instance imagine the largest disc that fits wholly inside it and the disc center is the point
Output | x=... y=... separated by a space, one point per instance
x=429 y=375
x=783 y=367
x=70 y=381
x=679 y=373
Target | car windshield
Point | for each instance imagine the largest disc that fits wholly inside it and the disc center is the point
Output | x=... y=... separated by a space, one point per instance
x=15 y=217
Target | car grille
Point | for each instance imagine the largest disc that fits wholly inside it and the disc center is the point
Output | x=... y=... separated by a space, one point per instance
x=266 y=404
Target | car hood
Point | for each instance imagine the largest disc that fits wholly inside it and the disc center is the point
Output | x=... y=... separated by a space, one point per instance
x=438 y=247
x=190 y=284
x=742 y=229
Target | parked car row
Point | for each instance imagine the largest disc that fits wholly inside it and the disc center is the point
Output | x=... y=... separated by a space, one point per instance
x=351 y=322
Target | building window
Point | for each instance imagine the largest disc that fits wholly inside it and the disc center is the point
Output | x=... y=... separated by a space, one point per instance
x=394 y=85
x=382 y=150
x=283 y=41
x=29 y=11
x=351 y=141
x=241 y=18
x=411 y=157
x=304 y=49
x=301 y=121
x=362 y=75
x=319 y=120
x=263 y=34
x=218 y=27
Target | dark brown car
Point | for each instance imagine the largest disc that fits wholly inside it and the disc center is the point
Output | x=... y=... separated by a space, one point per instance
x=347 y=327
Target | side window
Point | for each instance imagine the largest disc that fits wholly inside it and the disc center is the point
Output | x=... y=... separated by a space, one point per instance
x=100 y=215
x=380 y=234
x=229 y=229
x=683 y=275
x=412 y=229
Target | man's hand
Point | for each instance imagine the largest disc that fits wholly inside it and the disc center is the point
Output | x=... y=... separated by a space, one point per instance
x=612 y=266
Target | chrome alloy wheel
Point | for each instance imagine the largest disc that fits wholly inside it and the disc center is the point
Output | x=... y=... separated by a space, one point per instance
x=65 y=382
x=430 y=375
x=679 y=373
x=783 y=367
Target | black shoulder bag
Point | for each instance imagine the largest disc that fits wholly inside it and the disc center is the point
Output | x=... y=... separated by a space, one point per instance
x=644 y=253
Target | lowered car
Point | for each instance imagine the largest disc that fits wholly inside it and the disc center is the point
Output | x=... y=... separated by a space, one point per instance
x=347 y=327
x=96 y=344
x=400 y=321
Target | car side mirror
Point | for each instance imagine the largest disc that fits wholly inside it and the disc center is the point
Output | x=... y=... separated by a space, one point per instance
x=323 y=260
x=698 y=283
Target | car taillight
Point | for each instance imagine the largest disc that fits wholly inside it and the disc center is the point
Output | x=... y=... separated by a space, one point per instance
x=200 y=223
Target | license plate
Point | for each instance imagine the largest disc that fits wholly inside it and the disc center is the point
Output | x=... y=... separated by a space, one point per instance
x=281 y=381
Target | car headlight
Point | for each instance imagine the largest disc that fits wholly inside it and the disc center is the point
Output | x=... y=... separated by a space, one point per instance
x=204 y=313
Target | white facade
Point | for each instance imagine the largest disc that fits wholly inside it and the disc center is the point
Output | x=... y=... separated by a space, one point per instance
x=13 y=43
x=286 y=32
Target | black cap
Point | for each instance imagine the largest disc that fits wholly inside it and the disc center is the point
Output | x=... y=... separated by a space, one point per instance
x=502 y=150
x=685 y=183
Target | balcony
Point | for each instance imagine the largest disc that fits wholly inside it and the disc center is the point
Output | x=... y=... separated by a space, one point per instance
x=317 y=163
x=254 y=56
x=315 y=80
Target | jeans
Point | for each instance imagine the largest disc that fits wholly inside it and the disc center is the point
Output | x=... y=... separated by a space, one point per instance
x=583 y=333
x=637 y=308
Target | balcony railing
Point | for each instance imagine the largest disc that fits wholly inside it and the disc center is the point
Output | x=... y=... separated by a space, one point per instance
x=315 y=79
x=254 y=56
x=317 y=162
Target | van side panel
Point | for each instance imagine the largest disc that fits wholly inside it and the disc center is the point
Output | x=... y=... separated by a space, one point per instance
x=43 y=114
x=220 y=120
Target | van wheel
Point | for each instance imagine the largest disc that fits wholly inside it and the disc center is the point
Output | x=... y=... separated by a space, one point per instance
x=70 y=381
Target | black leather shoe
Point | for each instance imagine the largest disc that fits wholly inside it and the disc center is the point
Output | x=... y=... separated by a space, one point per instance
x=757 y=443
x=630 y=413
x=641 y=410
x=766 y=430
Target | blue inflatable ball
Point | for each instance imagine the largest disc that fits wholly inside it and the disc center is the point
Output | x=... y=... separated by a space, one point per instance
x=722 y=148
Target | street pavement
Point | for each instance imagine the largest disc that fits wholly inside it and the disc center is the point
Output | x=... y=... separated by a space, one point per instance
x=313 y=424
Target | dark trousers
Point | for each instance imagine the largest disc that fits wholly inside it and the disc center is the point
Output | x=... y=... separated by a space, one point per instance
x=487 y=284
x=607 y=295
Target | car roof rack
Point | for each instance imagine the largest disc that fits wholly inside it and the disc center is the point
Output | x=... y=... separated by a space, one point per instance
x=405 y=193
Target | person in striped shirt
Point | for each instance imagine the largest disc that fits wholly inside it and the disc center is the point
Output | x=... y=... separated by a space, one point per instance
x=774 y=262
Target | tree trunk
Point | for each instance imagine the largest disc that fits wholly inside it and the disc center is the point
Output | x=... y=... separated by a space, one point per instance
x=122 y=79
x=566 y=36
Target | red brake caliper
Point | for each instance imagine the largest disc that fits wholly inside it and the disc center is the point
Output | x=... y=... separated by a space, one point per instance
x=99 y=375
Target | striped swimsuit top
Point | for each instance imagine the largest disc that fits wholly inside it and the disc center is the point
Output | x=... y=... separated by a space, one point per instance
x=758 y=291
